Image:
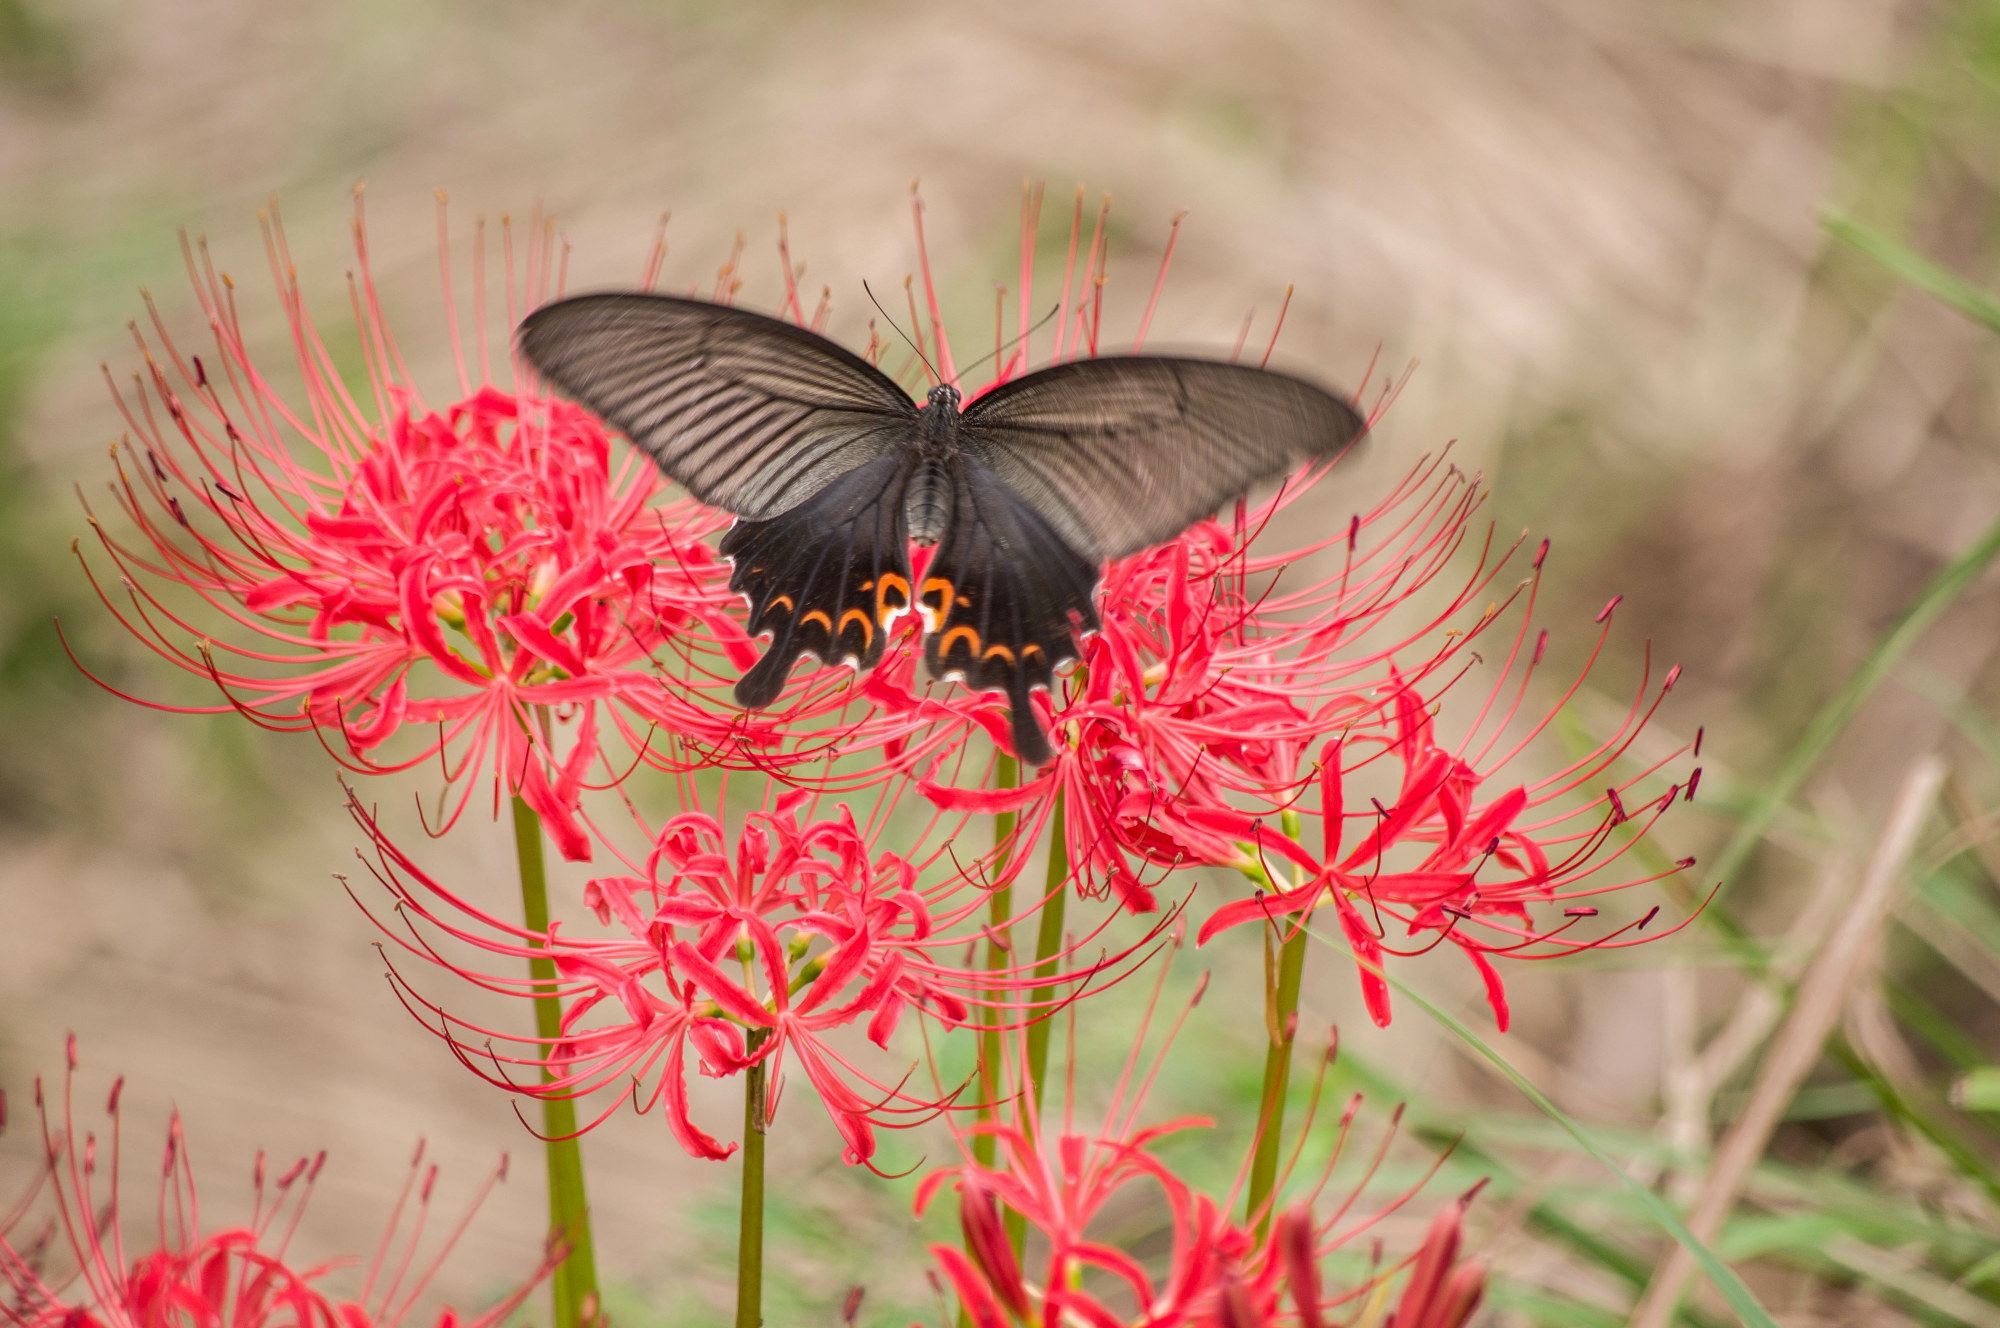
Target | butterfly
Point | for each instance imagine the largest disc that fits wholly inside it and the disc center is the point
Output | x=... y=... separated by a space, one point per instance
x=833 y=471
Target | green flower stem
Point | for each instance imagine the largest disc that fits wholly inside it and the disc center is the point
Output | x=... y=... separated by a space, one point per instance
x=1282 y=973
x=1000 y=911
x=1047 y=944
x=750 y=1226
x=574 y=1285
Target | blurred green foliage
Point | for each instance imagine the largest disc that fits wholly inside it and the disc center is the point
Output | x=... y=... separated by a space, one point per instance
x=37 y=53
x=39 y=689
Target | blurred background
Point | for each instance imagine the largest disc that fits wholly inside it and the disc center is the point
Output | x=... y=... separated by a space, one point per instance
x=1595 y=227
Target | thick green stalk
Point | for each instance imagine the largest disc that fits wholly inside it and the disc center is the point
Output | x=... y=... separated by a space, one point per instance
x=1047 y=943
x=1000 y=911
x=750 y=1225
x=574 y=1286
x=1282 y=973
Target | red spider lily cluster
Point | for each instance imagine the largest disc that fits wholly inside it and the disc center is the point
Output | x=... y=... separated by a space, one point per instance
x=66 y=1260
x=1221 y=1274
x=495 y=588
x=1200 y=697
x=1459 y=851
x=491 y=576
x=1064 y=1179
x=756 y=943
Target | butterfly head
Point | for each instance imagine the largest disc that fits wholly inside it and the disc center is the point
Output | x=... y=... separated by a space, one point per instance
x=945 y=397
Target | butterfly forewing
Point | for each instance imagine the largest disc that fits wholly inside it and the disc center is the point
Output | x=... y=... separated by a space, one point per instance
x=1120 y=454
x=1004 y=596
x=749 y=413
x=827 y=578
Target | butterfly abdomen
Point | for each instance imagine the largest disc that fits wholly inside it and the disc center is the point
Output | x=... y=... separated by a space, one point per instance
x=927 y=505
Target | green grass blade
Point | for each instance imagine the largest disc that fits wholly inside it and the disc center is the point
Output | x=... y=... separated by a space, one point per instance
x=1548 y=1216
x=1748 y=1311
x=1913 y=267
x=1979 y=1089
x=1833 y=717
x=1553 y=1311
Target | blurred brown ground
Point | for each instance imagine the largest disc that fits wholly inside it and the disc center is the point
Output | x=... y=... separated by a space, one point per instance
x=1594 y=225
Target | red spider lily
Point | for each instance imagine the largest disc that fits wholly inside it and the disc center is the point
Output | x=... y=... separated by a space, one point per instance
x=1219 y=1271
x=1459 y=848
x=483 y=575
x=1223 y=1275
x=758 y=944
x=1198 y=698
x=66 y=1262
x=1442 y=1292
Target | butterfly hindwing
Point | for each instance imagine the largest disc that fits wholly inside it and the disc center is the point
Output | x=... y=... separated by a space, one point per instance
x=1118 y=454
x=827 y=578
x=750 y=414
x=1004 y=598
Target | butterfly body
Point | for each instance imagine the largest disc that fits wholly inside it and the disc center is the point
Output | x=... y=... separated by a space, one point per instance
x=834 y=473
x=930 y=492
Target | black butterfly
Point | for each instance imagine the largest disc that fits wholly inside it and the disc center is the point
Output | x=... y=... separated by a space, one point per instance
x=833 y=471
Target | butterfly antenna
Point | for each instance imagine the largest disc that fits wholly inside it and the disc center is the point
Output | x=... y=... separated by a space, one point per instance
x=1011 y=342
x=899 y=332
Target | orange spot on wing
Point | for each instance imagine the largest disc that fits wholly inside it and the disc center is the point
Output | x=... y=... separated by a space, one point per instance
x=944 y=643
x=1031 y=649
x=938 y=586
x=890 y=583
x=1003 y=652
x=825 y=621
x=964 y=603
x=867 y=625
x=776 y=600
